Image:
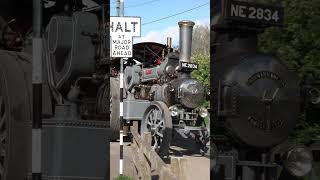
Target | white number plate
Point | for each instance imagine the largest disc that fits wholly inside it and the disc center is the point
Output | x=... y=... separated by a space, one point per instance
x=253 y=12
x=189 y=66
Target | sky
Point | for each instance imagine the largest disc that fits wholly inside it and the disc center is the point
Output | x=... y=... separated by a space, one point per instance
x=150 y=10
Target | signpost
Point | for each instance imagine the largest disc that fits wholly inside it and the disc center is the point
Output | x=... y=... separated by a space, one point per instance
x=122 y=31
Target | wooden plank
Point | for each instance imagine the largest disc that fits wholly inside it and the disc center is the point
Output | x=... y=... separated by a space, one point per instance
x=135 y=125
x=135 y=156
x=147 y=142
x=152 y=155
x=166 y=174
x=146 y=159
x=178 y=167
x=143 y=167
x=125 y=130
x=147 y=139
x=136 y=162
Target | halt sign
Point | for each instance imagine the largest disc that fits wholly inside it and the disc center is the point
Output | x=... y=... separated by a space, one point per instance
x=122 y=31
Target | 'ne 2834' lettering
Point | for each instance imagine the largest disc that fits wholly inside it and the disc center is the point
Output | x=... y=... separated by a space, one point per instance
x=255 y=13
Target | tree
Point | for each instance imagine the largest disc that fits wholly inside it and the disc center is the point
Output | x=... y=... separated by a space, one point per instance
x=201 y=56
x=201 y=40
x=297 y=43
x=203 y=73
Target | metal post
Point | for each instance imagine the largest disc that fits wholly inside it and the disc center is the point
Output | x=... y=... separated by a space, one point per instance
x=120 y=12
x=37 y=89
x=118 y=7
x=121 y=7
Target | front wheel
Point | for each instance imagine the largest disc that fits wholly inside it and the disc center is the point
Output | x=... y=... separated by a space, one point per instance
x=158 y=121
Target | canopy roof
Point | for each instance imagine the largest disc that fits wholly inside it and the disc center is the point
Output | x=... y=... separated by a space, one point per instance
x=147 y=52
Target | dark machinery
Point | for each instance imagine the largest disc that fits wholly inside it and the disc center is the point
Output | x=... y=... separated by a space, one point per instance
x=160 y=93
x=75 y=70
x=256 y=99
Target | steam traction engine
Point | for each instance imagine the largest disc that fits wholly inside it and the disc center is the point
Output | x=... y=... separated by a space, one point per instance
x=256 y=100
x=75 y=137
x=163 y=95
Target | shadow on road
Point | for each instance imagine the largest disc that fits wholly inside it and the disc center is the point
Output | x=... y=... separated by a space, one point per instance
x=181 y=146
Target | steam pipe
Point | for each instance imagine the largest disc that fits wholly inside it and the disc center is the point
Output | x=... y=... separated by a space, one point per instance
x=185 y=40
x=169 y=42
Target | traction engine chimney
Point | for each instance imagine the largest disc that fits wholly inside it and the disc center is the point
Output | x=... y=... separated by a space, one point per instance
x=185 y=40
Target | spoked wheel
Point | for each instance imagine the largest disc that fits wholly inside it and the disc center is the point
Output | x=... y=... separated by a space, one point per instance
x=3 y=137
x=108 y=103
x=157 y=120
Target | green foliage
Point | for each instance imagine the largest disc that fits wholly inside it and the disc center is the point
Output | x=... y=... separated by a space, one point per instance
x=203 y=72
x=201 y=54
x=123 y=177
x=297 y=43
x=305 y=133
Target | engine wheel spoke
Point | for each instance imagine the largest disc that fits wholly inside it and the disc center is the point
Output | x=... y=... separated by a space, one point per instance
x=155 y=146
x=160 y=124
x=157 y=120
x=159 y=134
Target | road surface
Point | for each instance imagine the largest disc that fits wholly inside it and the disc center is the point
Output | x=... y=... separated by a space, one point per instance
x=128 y=168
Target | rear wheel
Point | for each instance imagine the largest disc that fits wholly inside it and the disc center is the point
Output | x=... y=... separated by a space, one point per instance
x=158 y=121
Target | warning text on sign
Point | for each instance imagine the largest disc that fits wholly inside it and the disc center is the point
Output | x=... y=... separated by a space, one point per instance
x=121 y=46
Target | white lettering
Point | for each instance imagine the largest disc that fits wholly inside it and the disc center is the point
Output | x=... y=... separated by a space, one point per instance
x=234 y=10
x=241 y=11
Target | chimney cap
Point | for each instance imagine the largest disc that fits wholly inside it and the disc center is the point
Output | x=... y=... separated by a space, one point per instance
x=186 y=23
